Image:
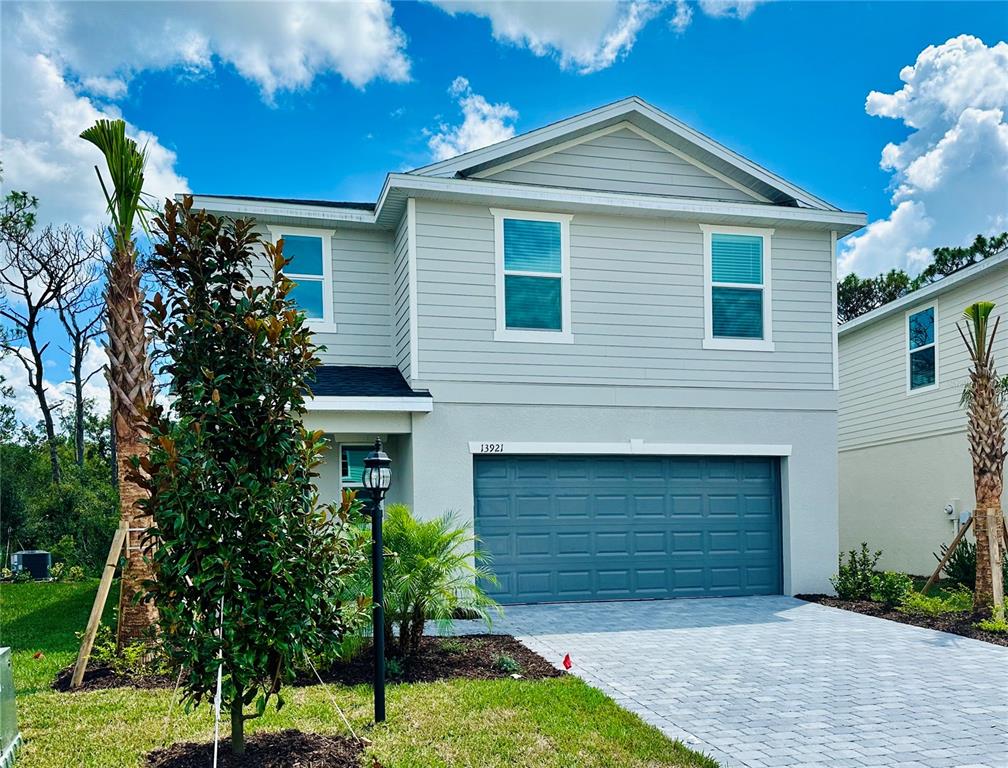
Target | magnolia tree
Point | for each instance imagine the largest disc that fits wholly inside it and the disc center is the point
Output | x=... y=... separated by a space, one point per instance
x=252 y=572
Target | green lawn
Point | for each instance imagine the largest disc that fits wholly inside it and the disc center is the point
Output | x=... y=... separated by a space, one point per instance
x=482 y=724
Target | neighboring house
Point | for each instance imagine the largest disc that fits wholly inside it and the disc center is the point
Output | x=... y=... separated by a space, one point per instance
x=904 y=456
x=608 y=343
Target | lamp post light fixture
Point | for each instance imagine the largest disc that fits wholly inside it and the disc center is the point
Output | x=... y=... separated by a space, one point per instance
x=376 y=479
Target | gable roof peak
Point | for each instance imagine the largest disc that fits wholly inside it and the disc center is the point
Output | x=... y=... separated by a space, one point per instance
x=647 y=117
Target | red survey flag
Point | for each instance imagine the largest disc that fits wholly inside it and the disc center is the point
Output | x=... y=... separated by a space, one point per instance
x=567 y=662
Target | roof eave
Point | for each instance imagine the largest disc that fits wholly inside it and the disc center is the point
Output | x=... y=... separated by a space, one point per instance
x=928 y=292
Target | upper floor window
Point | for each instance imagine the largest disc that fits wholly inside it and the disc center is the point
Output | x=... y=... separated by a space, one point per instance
x=737 y=300
x=533 y=276
x=310 y=267
x=922 y=368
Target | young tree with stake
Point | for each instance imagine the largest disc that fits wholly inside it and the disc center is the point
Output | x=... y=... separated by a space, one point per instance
x=253 y=573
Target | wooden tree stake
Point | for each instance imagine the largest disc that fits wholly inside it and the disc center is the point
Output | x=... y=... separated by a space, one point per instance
x=947 y=555
x=994 y=545
x=99 y=605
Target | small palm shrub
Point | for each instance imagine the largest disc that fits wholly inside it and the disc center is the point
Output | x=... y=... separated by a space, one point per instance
x=431 y=574
x=961 y=567
x=855 y=579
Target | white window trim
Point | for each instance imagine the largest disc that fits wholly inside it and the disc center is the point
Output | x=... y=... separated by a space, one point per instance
x=502 y=333
x=350 y=483
x=765 y=344
x=906 y=347
x=327 y=323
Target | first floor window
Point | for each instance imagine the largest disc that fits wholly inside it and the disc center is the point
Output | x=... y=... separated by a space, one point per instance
x=738 y=299
x=532 y=261
x=921 y=349
x=352 y=464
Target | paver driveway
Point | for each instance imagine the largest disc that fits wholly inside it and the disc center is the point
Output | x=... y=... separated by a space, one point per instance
x=774 y=681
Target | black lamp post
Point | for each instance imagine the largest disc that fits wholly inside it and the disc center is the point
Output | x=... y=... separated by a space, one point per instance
x=376 y=480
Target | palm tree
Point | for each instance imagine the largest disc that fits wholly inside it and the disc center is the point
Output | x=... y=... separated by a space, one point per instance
x=129 y=372
x=987 y=448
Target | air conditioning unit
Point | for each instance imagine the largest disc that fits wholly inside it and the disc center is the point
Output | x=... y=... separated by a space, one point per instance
x=35 y=561
x=10 y=739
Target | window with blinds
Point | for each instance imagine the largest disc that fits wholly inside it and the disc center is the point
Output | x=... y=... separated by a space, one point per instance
x=533 y=294
x=533 y=276
x=737 y=286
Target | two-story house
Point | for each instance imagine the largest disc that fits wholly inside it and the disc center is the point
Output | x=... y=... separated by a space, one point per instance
x=906 y=476
x=608 y=344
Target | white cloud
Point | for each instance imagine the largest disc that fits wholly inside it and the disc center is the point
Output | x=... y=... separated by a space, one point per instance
x=277 y=45
x=42 y=151
x=482 y=124
x=950 y=175
x=729 y=9
x=64 y=64
x=585 y=36
x=59 y=394
x=683 y=16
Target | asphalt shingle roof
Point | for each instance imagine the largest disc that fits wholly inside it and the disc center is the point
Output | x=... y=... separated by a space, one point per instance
x=362 y=381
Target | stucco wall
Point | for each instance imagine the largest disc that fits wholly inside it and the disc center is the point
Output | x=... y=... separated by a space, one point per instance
x=893 y=495
x=442 y=462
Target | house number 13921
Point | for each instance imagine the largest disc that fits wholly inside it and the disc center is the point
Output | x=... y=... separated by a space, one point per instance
x=491 y=447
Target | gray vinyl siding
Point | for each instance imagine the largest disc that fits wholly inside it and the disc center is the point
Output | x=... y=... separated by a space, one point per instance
x=636 y=305
x=362 y=297
x=622 y=161
x=875 y=407
x=401 y=298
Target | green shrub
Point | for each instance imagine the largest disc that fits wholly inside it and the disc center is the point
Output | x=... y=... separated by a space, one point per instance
x=134 y=660
x=993 y=625
x=75 y=573
x=506 y=663
x=855 y=579
x=21 y=576
x=430 y=575
x=954 y=601
x=57 y=571
x=891 y=588
x=452 y=647
x=393 y=667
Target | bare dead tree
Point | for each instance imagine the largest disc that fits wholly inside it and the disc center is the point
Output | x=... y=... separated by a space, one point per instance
x=30 y=288
x=79 y=307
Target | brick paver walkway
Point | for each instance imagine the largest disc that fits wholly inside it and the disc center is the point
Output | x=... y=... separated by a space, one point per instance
x=774 y=681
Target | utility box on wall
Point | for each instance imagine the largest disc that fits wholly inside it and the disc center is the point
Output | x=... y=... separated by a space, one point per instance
x=10 y=738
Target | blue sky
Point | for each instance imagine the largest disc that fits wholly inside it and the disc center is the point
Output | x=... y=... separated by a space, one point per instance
x=786 y=87
x=321 y=100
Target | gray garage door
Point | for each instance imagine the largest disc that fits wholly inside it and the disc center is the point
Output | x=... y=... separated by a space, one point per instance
x=617 y=527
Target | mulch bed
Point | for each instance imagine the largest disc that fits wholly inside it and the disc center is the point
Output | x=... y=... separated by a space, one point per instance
x=100 y=678
x=440 y=658
x=957 y=623
x=283 y=749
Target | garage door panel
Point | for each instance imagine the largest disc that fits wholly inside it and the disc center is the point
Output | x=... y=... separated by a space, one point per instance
x=581 y=528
